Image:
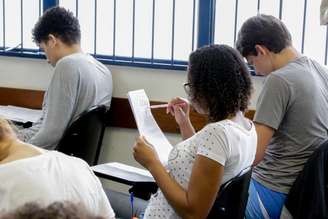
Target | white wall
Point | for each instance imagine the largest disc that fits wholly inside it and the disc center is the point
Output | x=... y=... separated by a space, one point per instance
x=160 y=85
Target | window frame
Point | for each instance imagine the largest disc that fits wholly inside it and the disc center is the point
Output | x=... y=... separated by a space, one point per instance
x=204 y=36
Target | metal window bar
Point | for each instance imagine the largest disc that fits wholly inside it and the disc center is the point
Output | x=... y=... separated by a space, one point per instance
x=236 y=20
x=172 y=38
x=4 y=24
x=212 y=14
x=39 y=8
x=193 y=25
x=40 y=12
x=21 y=20
x=95 y=30
x=114 y=31
x=77 y=8
x=49 y=3
x=133 y=28
x=304 y=25
x=153 y=33
x=258 y=6
x=205 y=23
x=280 y=9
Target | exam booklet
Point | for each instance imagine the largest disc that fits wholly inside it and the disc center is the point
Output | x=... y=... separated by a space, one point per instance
x=147 y=125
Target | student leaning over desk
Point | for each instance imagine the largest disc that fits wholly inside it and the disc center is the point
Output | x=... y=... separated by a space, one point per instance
x=31 y=174
x=219 y=86
x=78 y=83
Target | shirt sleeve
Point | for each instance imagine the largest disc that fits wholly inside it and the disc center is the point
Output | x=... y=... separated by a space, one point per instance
x=60 y=106
x=213 y=144
x=273 y=102
x=102 y=205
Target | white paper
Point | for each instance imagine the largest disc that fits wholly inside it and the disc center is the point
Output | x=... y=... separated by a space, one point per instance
x=20 y=114
x=130 y=169
x=147 y=125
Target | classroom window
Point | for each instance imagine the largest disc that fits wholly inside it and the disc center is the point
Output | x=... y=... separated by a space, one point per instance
x=144 y=31
x=300 y=16
x=15 y=31
x=159 y=33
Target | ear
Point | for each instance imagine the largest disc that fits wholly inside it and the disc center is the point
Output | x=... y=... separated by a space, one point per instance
x=52 y=41
x=261 y=50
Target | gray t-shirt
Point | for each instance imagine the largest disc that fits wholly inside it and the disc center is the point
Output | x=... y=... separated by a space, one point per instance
x=294 y=102
x=79 y=82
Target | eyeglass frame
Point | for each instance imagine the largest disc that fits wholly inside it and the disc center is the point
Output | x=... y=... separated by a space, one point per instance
x=186 y=87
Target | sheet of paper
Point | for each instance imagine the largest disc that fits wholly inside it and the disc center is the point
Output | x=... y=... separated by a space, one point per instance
x=130 y=169
x=20 y=114
x=147 y=125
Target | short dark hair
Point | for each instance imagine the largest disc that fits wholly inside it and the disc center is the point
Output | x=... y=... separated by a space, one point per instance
x=219 y=81
x=264 y=30
x=59 y=22
x=56 y=210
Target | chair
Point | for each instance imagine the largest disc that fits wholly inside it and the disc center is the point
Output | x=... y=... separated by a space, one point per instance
x=232 y=197
x=308 y=197
x=83 y=138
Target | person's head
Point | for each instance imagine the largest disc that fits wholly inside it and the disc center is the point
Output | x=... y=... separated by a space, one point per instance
x=218 y=82
x=57 y=210
x=259 y=38
x=56 y=32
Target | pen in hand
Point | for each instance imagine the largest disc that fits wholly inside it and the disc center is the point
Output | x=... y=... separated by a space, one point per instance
x=158 y=106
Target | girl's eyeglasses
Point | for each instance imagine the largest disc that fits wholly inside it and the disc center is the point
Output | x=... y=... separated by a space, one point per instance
x=187 y=87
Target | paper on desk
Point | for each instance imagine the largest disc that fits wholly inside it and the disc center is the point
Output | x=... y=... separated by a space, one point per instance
x=147 y=125
x=130 y=169
x=20 y=114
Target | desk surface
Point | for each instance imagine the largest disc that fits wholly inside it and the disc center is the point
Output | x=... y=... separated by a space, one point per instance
x=122 y=173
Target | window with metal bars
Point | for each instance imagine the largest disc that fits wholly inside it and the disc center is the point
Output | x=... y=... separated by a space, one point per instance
x=17 y=20
x=300 y=16
x=159 y=33
x=143 y=32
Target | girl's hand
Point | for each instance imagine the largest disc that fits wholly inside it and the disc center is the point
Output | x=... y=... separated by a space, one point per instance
x=179 y=108
x=144 y=153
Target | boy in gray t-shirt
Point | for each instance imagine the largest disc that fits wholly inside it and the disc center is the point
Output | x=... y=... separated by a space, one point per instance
x=291 y=115
x=79 y=81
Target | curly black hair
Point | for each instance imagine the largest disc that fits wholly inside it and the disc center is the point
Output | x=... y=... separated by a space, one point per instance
x=264 y=30
x=59 y=22
x=219 y=81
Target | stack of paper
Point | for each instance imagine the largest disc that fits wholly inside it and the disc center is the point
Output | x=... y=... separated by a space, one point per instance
x=147 y=125
x=20 y=114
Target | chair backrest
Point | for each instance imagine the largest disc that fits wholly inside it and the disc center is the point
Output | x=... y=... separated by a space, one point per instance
x=308 y=196
x=232 y=197
x=83 y=138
